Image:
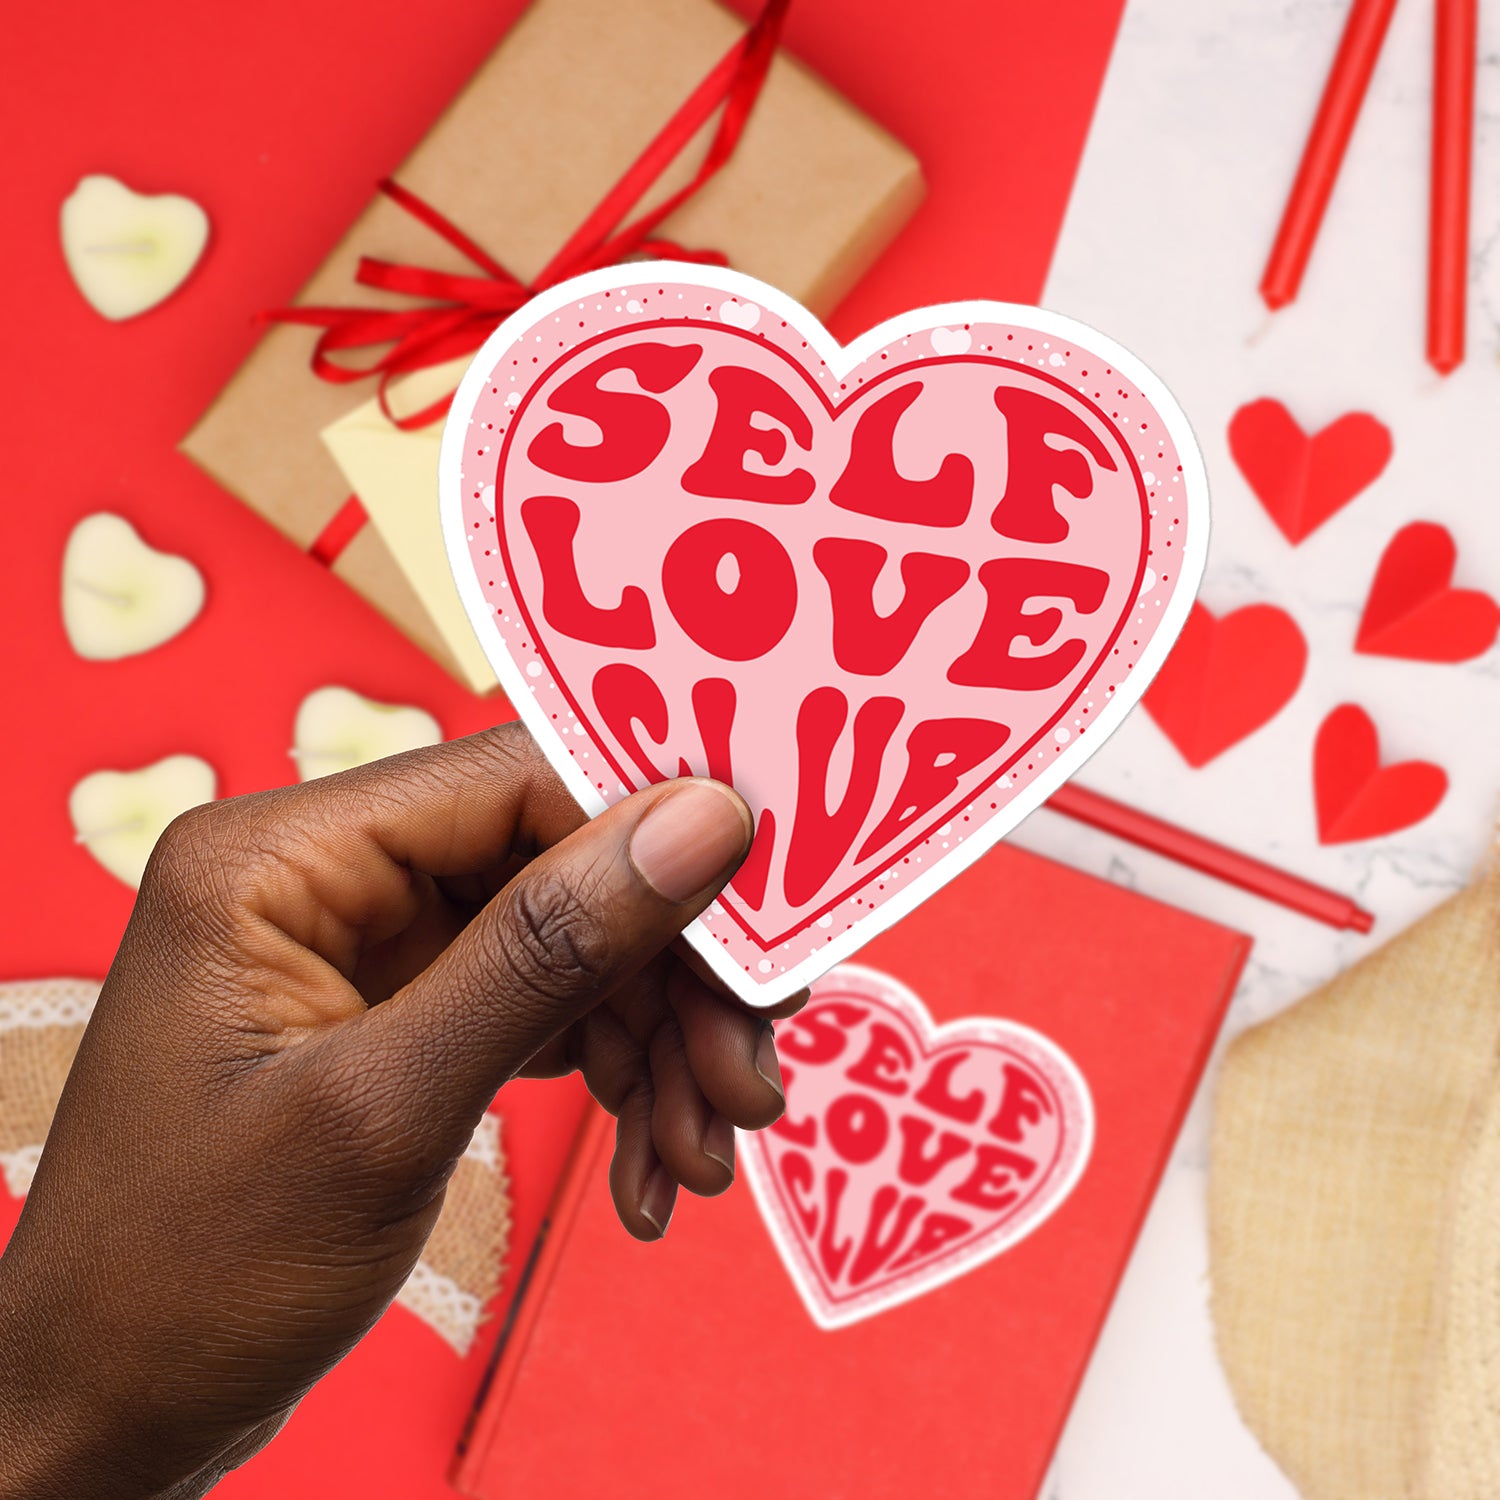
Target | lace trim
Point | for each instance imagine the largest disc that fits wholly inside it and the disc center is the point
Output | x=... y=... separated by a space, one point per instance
x=484 y=1146
x=18 y=1168
x=441 y=1303
x=35 y=1003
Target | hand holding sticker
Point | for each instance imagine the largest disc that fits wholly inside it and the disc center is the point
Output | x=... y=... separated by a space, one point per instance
x=895 y=593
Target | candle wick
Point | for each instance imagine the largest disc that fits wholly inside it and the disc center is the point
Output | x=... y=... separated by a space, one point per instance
x=124 y=247
x=123 y=600
x=134 y=825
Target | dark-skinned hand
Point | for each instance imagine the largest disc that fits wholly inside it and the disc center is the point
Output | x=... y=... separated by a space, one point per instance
x=319 y=992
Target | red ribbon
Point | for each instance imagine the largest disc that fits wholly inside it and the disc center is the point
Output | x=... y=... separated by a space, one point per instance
x=462 y=311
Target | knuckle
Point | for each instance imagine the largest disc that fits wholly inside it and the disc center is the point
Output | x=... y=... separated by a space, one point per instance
x=505 y=751
x=612 y=1063
x=184 y=855
x=552 y=941
x=614 y=1089
x=636 y=1103
x=510 y=746
x=184 y=839
x=668 y=1047
x=206 y=864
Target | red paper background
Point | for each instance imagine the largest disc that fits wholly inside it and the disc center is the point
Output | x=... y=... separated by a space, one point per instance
x=279 y=117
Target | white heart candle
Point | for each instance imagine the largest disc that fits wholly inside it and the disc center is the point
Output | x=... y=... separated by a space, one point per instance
x=337 y=730
x=127 y=251
x=121 y=597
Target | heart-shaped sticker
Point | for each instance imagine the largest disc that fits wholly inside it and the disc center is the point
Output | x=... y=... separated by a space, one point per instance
x=909 y=1153
x=895 y=592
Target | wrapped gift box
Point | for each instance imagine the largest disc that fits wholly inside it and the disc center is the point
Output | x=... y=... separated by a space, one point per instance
x=812 y=194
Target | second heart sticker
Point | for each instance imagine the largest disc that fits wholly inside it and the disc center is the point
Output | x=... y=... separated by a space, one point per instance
x=895 y=592
x=910 y=1153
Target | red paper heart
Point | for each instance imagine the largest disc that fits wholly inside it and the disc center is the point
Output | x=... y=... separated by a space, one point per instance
x=1303 y=480
x=1358 y=798
x=896 y=592
x=1226 y=677
x=1412 y=612
x=909 y=1153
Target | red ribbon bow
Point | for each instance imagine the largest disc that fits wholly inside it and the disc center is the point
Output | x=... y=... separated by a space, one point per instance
x=462 y=311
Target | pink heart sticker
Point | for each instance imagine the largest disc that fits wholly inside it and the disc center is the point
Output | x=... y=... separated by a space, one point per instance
x=894 y=592
x=910 y=1153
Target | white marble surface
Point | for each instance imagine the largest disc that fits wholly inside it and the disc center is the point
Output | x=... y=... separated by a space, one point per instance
x=1197 y=135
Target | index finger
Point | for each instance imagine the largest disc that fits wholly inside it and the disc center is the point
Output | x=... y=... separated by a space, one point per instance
x=451 y=809
x=346 y=861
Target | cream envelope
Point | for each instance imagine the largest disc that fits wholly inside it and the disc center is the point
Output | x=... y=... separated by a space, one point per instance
x=394 y=473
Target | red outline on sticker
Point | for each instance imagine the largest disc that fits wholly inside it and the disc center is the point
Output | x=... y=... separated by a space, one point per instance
x=833 y=410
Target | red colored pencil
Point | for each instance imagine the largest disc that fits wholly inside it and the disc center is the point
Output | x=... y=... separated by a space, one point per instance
x=1364 y=32
x=1253 y=875
x=1455 y=40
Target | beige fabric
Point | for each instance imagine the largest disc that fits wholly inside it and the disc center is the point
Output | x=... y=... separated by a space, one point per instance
x=41 y=1022
x=1352 y=1218
x=1459 y=1451
x=460 y=1268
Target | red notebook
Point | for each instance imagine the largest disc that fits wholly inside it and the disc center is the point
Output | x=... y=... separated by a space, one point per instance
x=900 y=1292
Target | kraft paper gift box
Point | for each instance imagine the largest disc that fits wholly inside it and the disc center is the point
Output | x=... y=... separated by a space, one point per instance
x=813 y=193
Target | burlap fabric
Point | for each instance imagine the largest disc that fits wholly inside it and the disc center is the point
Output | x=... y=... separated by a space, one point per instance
x=1354 y=1219
x=41 y=1022
x=460 y=1268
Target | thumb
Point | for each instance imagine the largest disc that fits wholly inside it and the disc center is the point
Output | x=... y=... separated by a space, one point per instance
x=572 y=926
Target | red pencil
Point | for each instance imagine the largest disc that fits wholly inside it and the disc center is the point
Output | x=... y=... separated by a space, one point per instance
x=1364 y=32
x=1454 y=45
x=1253 y=875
